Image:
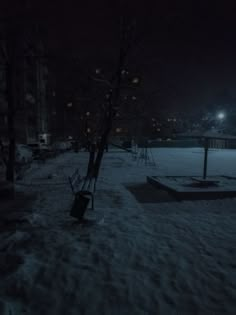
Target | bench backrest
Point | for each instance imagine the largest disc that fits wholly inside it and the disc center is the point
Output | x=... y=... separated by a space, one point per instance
x=75 y=180
x=78 y=182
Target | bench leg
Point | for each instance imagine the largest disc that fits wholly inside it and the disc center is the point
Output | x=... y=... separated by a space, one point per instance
x=92 y=202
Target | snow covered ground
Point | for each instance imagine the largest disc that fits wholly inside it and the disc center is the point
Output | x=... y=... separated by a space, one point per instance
x=162 y=257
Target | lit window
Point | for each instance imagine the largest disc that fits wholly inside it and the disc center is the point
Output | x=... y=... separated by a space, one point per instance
x=88 y=130
x=69 y=105
x=118 y=130
x=88 y=113
x=134 y=98
x=135 y=80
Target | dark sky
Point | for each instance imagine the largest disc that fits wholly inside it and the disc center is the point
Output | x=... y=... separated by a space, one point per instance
x=186 y=49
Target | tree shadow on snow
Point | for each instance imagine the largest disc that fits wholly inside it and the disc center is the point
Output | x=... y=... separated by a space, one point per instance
x=146 y=193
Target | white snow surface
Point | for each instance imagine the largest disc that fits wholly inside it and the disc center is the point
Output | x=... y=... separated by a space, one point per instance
x=138 y=258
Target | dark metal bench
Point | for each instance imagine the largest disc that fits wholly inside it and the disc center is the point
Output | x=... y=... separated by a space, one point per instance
x=83 y=189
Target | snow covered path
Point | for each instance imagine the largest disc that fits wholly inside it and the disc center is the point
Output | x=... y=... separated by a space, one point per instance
x=141 y=258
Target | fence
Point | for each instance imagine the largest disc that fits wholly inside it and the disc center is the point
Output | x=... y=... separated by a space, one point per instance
x=192 y=143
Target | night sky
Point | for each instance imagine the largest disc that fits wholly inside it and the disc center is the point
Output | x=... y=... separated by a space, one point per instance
x=185 y=51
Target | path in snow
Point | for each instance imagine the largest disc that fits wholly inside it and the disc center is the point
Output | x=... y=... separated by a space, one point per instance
x=142 y=258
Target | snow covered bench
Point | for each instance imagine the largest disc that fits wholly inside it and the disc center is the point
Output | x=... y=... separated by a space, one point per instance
x=83 y=189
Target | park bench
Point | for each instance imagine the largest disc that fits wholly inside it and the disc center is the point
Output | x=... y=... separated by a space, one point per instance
x=75 y=179
x=83 y=188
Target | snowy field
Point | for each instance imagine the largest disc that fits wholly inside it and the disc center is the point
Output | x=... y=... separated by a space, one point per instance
x=152 y=256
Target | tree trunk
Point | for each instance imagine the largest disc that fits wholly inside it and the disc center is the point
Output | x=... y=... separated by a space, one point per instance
x=101 y=148
x=11 y=124
x=11 y=101
x=113 y=102
x=92 y=149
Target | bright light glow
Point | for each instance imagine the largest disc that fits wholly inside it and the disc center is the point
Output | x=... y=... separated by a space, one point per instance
x=69 y=105
x=221 y=115
x=135 y=80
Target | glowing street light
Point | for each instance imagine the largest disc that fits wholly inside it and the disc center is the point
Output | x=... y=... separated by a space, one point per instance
x=221 y=115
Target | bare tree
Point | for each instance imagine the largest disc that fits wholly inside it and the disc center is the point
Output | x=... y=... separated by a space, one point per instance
x=115 y=85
